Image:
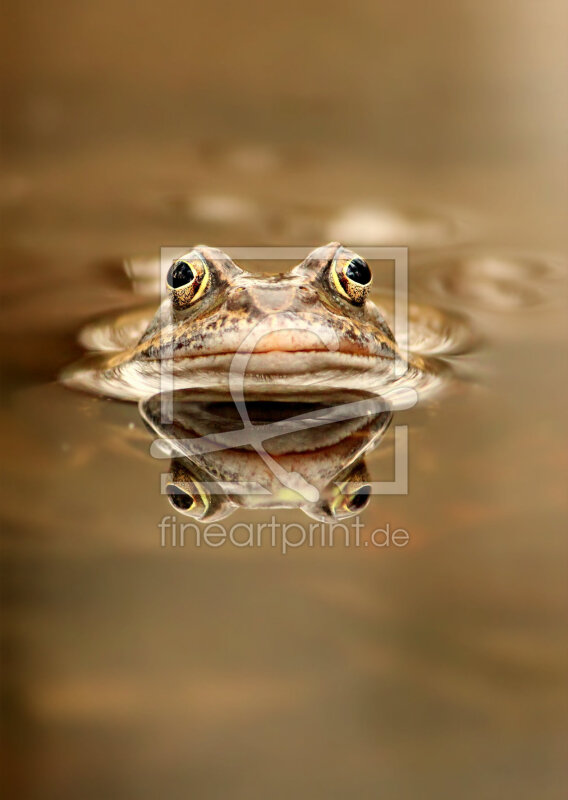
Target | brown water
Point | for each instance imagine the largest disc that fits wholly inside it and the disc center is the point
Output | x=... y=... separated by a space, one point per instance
x=432 y=670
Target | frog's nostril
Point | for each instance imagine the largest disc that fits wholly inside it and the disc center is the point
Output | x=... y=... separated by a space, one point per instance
x=238 y=299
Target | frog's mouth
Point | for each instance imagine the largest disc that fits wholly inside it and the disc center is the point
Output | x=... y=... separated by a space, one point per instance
x=266 y=373
x=273 y=357
x=273 y=348
x=275 y=367
x=277 y=335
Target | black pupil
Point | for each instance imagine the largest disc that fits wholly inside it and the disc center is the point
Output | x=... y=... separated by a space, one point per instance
x=358 y=271
x=180 y=274
x=359 y=498
x=179 y=498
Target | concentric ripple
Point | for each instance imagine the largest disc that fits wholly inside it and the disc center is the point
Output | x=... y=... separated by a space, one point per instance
x=431 y=331
x=118 y=331
x=489 y=281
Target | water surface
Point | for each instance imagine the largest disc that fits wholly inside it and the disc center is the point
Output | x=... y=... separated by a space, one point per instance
x=430 y=670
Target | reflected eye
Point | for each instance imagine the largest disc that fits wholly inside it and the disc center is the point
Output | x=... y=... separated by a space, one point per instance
x=359 y=499
x=187 y=279
x=349 y=501
x=179 y=499
x=188 y=498
x=351 y=277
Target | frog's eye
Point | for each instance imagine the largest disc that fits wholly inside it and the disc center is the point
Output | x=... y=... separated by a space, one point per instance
x=187 y=279
x=351 y=277
x=189 y=498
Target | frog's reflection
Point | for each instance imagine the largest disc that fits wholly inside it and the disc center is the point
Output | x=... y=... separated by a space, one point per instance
x=286 y=455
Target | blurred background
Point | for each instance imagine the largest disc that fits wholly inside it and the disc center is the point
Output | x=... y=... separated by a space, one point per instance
x=433 y=672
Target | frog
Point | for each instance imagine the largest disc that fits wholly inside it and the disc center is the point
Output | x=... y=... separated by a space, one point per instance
x=298 y=333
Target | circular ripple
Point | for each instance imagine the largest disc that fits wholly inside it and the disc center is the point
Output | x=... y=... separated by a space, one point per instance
x=489 y=281
x=118 y=331
x=431 y=331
